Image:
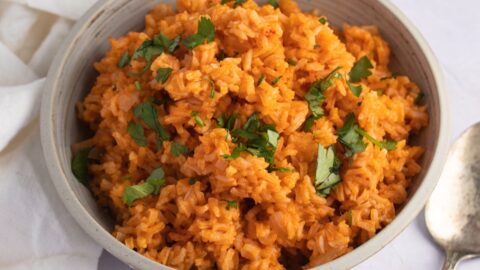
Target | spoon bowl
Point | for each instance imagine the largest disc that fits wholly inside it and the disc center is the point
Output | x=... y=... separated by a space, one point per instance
x=453 y=211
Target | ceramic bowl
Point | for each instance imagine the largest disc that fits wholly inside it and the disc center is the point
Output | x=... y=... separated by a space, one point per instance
x=72 y=75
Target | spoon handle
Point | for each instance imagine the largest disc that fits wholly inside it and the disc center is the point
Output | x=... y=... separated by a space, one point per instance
x=452 y=259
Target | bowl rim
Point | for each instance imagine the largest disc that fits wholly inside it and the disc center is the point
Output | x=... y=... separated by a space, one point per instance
x=138 y=261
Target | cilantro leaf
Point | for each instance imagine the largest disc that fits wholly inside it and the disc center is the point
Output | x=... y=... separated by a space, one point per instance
x=273 y=3
x=356 y=90
x=419 y=98
x=276 y=80
x=327 y=172
x=261 y=79
x=221 y=121
x=315 y=95
x=231 y=204
x=309 y=123
x=206 y=29
x=291 y=62
x=256 y=138
x=124 y=60
x=236 y=4
x=169 y=45
x=236 y=152
x=349 y=218
x=179 y=149
x=80 y=165
x=136 y=132
x=360 y=70
x=152 y=185
x=323 y=20
x=148 y=113
x=138 y=86
x=163 y=74
x=205 y=32
x=386 y=144
x=220 y=56
x=198 y=119
x=349 y=137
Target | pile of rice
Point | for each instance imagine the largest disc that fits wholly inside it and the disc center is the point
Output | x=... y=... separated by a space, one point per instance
x=279 y=221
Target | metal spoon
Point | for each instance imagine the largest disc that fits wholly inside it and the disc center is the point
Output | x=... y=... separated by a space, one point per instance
x=453 y=211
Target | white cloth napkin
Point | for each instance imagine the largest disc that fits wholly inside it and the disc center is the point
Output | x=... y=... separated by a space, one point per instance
x=37 y=232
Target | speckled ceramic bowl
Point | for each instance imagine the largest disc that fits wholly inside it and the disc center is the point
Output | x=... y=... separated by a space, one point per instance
x=72 y=75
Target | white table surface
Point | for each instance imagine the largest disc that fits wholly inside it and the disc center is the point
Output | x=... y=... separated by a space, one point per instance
x=452 y=29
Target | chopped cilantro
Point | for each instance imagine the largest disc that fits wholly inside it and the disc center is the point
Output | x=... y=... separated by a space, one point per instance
x=349 y=218
x=350 y=138
x=231 y=204
x=291 y=62
x=419 y=98
x=323 y=20
x=255 y=138
x=360 y=70
x=136 y=132
x=315 y=95
x=273 y=3
x=80 y=165
x=282 y=169
x=205 y=32
x=261 y=79
x=327 y=174
x=309 y=123
x=198 y=119
x=152 y=185
x=179 y=149
x=212 y=88
x=169 y=45
x=163 y=74
x=276 y=80
x=148 y=113
x=124 y=60
x=192 y=181
x=220 y=55
x=351 y=135
x=386 y=144
x=236 y=4
x=138 y=86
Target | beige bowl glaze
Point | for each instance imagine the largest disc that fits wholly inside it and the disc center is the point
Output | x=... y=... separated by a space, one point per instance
x=72 y=75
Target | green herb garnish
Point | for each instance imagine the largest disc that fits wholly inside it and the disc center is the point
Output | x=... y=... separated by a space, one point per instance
x=163 y=74
x=231 y=204
x=80 y=165
x=309 y=123
x=351 y=135
x=148 y=113
x=327 y=174
x=138 y=86
x=323 y=20
x=152 y=185
x=255 y=138
x=261 y=79
x=273 y=3
x=136 y=132
x=192 y=181
x=124 y=60
x=349 y=218
x=236 y=4
x=419 y=98
x=205 y=32
x=220 y=55
x=315 y=96
x=360 y=70
x=350 y=138
x=179 y=149
x=275 y=81
x=198 y=119
x=168 y=45
x=291 y=62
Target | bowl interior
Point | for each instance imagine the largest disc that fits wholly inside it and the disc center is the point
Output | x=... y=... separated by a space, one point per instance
x=72 y=76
